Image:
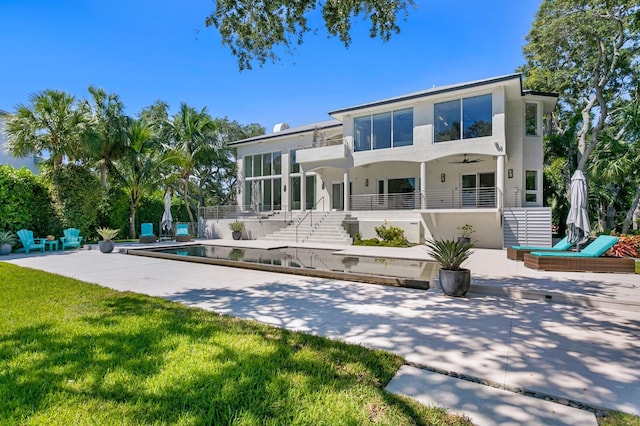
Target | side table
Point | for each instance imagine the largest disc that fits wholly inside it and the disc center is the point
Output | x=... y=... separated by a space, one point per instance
x=52 y=244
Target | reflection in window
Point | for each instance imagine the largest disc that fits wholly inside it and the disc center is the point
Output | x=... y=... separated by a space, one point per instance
x=248 y=166
x=477 y=112
x=463 y=119
x=382 y=130
x=277 y=163
x=294 y=167
x=447 y=121
x=531 y=120
x=531 y=186
x=257 y=165
x=403 y=127
x=362 y=133
x=266 y=164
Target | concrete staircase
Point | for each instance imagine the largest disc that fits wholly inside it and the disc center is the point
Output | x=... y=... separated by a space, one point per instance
x=318 y=227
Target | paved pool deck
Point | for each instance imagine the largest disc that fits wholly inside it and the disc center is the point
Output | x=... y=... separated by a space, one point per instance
x=571 y=337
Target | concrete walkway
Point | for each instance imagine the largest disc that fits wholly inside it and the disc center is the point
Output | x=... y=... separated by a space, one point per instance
x=507 y=332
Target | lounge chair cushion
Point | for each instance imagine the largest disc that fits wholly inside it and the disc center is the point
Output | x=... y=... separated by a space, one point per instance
x=596 y=249
x=562 y=245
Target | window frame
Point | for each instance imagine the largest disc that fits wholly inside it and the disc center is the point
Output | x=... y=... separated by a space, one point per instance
x=370 y=145
x=462 y=127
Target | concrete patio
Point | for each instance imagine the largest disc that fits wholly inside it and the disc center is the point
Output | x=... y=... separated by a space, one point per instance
x=574 y=337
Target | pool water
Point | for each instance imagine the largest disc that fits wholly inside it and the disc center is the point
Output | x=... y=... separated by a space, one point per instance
x=303 y=261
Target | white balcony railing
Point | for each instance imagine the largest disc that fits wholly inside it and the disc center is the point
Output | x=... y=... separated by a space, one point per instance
x=435 y=199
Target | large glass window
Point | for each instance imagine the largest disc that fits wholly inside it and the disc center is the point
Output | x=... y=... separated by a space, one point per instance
x=477 y=113
x=463 y=119
x=447 y=121
x=294 y=167
x=382 y=130
x=294 y=185
x=277 y=163
x=362 y=133
x=266 y=164
x=531 y=119
x=257 y=165
x=310 y=191
x=248 y=166
x=388 y=129
x=403 y=127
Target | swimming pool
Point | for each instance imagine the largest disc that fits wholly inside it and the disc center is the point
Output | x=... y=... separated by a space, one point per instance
x=306 y=262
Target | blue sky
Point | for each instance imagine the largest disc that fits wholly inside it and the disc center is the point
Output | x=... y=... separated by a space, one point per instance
x=146 y=50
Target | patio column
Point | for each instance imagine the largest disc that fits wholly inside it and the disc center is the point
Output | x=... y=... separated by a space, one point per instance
x=303 y=190
x=347 y=194
x=500 y=181
x=423 y=185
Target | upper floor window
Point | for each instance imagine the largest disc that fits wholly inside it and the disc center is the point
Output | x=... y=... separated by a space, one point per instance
x=266 y=164
x=531 y=119
x=385 y=130
x=465 y=118
x=294 y=167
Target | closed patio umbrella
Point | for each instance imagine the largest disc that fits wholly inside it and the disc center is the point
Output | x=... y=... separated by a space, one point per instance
x=578 y=219
x=166 y=216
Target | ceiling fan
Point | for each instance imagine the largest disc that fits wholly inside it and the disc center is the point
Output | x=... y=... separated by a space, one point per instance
x=467 y=160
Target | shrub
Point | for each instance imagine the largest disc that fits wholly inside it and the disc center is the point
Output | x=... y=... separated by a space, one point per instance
x=25 y=202
x=627 y=246
x=77 y=193
x=392 y=235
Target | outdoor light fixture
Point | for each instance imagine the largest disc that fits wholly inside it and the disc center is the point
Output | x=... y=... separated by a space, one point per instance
x=443 y=177
x=284 y=188
x=366 y=182
x=510 y=173
x=322 y=185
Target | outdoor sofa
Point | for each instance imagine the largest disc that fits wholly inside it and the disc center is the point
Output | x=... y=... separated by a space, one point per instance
x=588 y=260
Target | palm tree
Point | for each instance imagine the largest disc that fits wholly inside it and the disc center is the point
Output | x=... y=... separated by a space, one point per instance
x=50 y=123
x=138 y=168
x=106 y=136
x=191 y=142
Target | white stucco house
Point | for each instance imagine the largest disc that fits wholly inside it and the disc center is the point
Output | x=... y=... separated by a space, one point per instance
x=30 y=163
x=429 y=162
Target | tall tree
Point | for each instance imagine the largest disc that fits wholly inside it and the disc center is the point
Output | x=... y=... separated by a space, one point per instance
x=106 y=133
x=138 y=168
x=253 y=30
x=191 y=142
x=584 y=50
x=52 y=123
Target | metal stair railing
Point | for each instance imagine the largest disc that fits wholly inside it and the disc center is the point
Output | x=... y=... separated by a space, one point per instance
x=310 y=216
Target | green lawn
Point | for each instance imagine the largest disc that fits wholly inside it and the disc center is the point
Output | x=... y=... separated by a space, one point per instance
x=76 y=353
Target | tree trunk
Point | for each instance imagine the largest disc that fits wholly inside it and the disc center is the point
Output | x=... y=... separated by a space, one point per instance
x=103 y=173
x=629 y=217
x=185 y=195
x=132 y=223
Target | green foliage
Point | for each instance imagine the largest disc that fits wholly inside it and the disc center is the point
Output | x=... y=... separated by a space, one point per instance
x=254 y=30
x=236 y=226
x=391 y=235
x=8 y=237
x=107 y=234
x=450 y=254
x=25 y=202
x=51 y=123
x=92 y=355
x=77 y=193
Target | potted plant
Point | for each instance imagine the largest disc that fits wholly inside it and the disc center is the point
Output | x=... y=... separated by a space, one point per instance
x=7 y=240
x=465 y=232
x=451 y=254
x=237 y=227
x=107 y=244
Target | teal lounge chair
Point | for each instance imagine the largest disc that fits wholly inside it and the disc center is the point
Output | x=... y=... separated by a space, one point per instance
x=595 y=249
x=71 y=239
x=146 y=233
x=517 y=252
x=182 y=233
x=28 y=242
x=589 y=259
